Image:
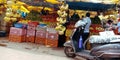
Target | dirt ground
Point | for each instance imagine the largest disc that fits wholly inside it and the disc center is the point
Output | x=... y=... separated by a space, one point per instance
x=34 y=48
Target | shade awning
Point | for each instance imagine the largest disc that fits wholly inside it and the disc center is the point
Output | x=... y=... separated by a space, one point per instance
x=89 y=6
x=40 y=3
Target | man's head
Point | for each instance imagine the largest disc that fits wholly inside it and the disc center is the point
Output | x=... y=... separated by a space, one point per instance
x=87 y=14
x=109 y=21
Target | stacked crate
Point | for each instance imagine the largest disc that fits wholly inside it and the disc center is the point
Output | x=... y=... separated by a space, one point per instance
x=51 y=37
x=17 y=34
x=40 y=35
x=31 y=30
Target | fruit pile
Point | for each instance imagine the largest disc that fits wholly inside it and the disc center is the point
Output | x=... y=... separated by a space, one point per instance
x=14 y=10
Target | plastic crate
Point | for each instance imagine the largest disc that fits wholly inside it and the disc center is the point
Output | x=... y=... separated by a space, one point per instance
x=39 y=40
x=52 y=43
x=17 y=31
x=17 y=38
x=31 y=32
x=30 y=39
x=52 y=39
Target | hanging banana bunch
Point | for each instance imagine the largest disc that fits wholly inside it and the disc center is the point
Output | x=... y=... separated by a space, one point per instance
x=60 y=28
x=61 y=19
x=62 y=13
x=64 y=6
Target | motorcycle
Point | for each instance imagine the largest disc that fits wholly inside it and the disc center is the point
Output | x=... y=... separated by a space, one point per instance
x=99 y=51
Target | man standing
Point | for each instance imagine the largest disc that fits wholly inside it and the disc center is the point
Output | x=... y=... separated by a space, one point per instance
x=87 y=27
x=78 y=40
x=118 y=27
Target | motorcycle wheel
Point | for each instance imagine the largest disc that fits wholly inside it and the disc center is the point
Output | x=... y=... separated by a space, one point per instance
x=69 y=52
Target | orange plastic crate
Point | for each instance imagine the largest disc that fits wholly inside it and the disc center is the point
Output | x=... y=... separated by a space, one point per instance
x=30 y=39
x=17 y=31
x=17 y=38
x=40 y=40
x=51 y=39
x=52 y=43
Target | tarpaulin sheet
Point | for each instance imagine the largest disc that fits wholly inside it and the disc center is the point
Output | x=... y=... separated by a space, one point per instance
x=90 y=6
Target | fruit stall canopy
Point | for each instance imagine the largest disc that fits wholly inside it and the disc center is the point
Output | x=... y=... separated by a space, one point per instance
x=89 y=6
